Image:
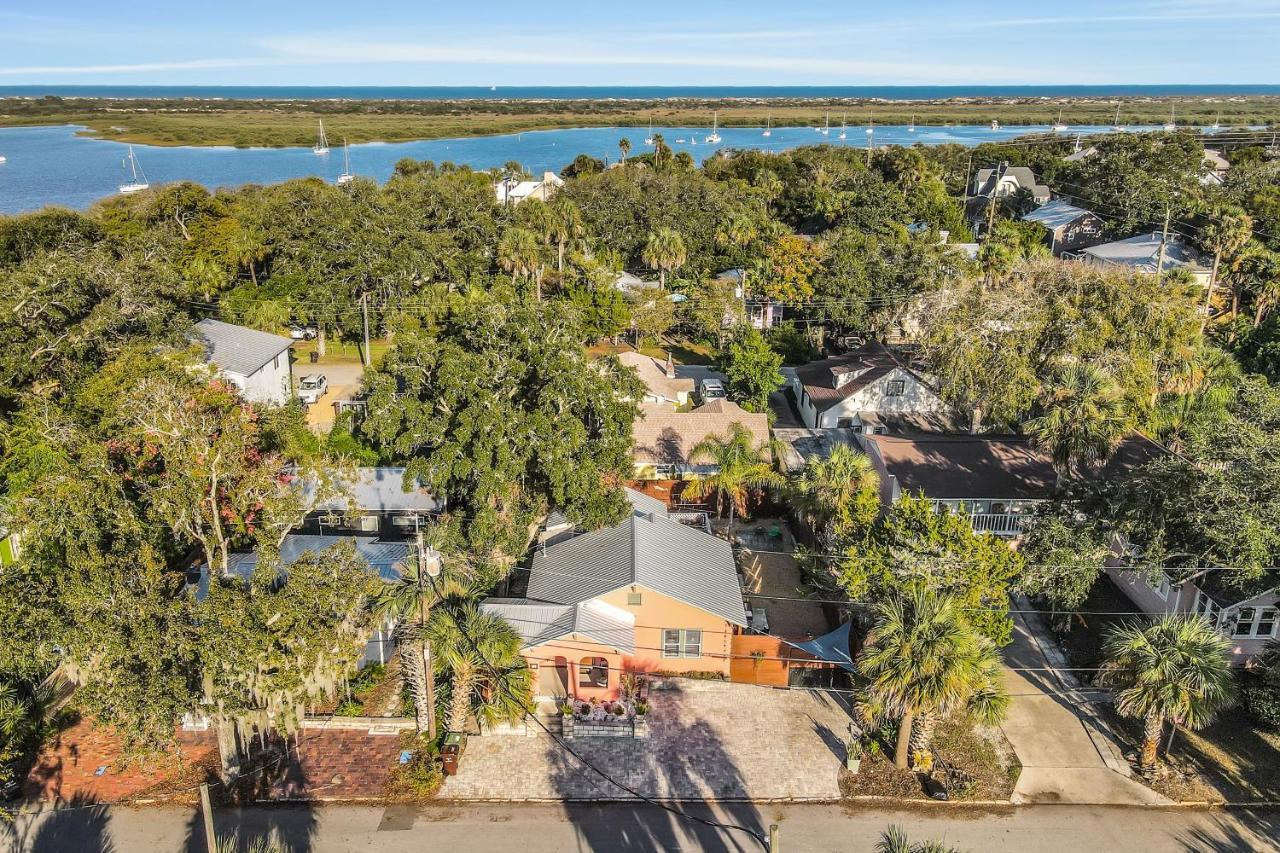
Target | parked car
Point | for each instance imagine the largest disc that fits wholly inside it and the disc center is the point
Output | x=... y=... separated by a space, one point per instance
x=711 y=389
x=312 y=387
x=303 y=333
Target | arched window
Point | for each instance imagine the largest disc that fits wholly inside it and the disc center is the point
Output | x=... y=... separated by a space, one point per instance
x=593 y=672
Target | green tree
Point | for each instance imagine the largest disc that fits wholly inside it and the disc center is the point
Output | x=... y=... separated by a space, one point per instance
x=753 y=369
x=1084 y=418
x=741 y=466
x=922 y=661
x=480 y=655
x=1225 y=232
x=791 y=263
x=624 y=148
x=914 y=544
x=837 y=495
x=1173 y=670
x=665 y=252
x=566 y=226
x=1065 y=550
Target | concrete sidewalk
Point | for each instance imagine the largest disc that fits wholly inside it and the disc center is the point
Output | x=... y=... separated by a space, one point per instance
x=1066 y=753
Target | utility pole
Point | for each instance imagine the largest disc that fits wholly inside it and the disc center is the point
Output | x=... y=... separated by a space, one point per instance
x=210 y=842
x=364 y=309
x=426 y=643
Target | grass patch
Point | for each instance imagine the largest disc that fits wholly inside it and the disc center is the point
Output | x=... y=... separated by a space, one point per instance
x=1235 y=760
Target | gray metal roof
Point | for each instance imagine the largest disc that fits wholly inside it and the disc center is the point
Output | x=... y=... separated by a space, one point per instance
x=646 y=550
x=1141 y=251
x=538 y=622
x=640 y=503
x=385 y=558
x=1055 y=214
x=237 y=349
x=379 y=490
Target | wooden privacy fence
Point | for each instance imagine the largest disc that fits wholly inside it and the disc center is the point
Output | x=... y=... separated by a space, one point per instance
x=762 y=659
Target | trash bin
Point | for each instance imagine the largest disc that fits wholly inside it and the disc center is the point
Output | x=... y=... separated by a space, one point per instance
x=315 y=356
x=455 y=743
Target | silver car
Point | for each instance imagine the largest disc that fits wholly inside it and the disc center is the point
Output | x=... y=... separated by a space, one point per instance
x=312 y=387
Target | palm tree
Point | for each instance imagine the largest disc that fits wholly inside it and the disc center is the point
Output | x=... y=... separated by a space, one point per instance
x=624 y=148
x=1084 y=417
x=1175 y=669
x=408 y=602
x=480 y=654
x=895 y=840
x=1262 y=267
x=665 y=251
x=923 y=661
x=567 y=225
x=518 y=254
x=247 y=247
x=835 y=494
x=741 y=466
x=1225 y=233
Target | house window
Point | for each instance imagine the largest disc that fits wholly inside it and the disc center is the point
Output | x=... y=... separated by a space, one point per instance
x=844 y=423
x=275 y=362
x=1255 y=622
x=593 y=672
x=895 y=388
x=634 y=598
x=1206 y=607
x=681 y=643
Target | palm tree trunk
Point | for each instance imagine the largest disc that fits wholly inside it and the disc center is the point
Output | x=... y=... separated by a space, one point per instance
x=731 y=519
x=413 y=656
x=460 y=700
x=1152 y=726
x=1208 y=296
x=253 y=273
x=560 y=256
x=428 y=667
x=1259 y=312
x=903 y=751
x=662 y=279
x=922 y=732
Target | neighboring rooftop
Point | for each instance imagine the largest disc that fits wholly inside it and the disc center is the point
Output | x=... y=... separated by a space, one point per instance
x=652 y=551
x=385 y=558
x=1023 y=176
x=796 y=445
x=664 y=437
x=237 y=349
x=1055 y=214
x=379 y=490
x=655 y=376
x=539 y=622
x=1142 y=251
x=987 y=466
x=831 y=380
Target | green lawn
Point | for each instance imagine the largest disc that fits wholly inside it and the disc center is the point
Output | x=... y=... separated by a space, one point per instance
x=340 y=351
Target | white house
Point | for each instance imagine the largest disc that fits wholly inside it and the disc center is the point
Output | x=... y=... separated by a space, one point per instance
x=760 y=312
x=1249 y=617
x=255 y=362
x=514 y=192
x=1008 y=180
x=662 y=386
x=861 y=389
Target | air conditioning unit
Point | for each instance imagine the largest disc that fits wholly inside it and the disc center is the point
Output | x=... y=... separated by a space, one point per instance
x=195 y=723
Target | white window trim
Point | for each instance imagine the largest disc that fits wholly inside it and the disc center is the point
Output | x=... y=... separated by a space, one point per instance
x=683 y=644
x=1255 y=623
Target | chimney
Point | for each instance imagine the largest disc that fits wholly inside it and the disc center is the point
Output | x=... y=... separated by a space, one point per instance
x=670 y=367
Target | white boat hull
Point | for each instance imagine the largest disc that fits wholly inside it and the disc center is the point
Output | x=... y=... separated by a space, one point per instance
x=343 y=180
x=318 y=151
x=129 y=189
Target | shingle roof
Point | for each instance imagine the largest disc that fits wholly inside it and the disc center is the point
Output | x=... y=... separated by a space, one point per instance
x=1024 y=177
x=379 y=490
x=651 y=551
x=654 y=375
x=538 y=622
x=1055 y=214
x=237 y=349
x=987 y=466
x=664 y=437
x=1142 y=250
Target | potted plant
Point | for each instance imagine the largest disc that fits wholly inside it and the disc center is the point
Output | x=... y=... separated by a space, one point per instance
x=853 y=755
x=642 y=708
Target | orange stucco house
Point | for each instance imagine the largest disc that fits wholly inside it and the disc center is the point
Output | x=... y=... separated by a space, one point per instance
x=648 y=595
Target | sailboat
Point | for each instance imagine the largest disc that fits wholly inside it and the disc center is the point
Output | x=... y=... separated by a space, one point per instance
x=322 y=142
x=871 y=123
x=3 y=158
x=138 y=182
x=713 y=137
x=844 y=133
x=826 y=125
x=911 y=128
x=768 y=127
x=995 y=124
x=648 y=140
x=1217 y=123
x=1172 y=124
x=1118 y=127
x=1058 y=126
x=346 y=177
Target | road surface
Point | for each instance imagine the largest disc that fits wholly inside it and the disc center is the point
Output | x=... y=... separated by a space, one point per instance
x=544 y=828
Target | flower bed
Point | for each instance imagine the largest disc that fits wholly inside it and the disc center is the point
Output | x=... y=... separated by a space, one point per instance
x=615 y=718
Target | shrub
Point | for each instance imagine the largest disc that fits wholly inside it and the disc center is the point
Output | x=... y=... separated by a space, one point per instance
x=349 y=708
x=1262 y=689
x=420 y=777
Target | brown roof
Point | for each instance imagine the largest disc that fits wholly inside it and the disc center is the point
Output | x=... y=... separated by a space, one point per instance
x=988 y=466
x=664 y=437
x=654 y=375
x=872 y=359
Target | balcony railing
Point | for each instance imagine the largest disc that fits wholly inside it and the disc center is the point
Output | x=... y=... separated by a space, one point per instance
x=999 y=523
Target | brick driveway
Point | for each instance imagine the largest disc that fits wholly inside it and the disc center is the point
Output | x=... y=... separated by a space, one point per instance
x=708 y=739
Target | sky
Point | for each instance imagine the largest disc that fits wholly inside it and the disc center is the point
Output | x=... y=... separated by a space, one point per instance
x=657 y=42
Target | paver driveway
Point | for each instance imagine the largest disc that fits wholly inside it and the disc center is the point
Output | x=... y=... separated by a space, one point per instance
x=708 y=739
